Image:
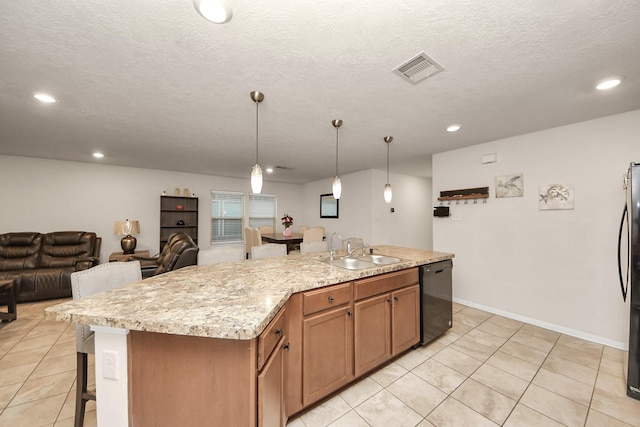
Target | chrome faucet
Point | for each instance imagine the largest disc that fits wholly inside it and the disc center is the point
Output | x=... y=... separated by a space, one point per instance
x=332 y=252
x=351 y=250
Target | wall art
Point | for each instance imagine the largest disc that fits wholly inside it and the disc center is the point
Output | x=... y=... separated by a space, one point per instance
x=556 y=196
x=510 y=185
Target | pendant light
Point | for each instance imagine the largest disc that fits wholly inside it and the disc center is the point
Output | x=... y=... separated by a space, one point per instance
x=387 y=187
x=256 y=172
x=337 y=184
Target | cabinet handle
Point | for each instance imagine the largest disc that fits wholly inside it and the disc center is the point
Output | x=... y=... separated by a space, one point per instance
x=389 y=300
x=331 y=299
x=350 y=314
x=396 y=299
x=286 y=346
x=278 y=332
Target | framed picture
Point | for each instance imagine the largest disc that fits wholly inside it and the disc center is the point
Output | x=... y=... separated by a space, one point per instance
x=510 y=185
x=328 y=206
x=556 y=196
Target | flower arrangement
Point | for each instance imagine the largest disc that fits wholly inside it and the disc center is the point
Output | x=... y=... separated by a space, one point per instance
x=287 y=221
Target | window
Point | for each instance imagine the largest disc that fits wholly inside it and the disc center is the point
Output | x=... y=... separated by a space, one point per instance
x=262 y=210
x=227 y=216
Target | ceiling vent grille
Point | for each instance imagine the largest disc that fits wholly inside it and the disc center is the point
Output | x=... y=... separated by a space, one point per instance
x=418 y=68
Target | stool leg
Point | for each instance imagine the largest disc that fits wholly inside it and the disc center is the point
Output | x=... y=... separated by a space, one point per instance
x=81 y=387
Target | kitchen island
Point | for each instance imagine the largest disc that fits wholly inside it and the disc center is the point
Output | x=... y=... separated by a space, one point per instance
x=223 y=341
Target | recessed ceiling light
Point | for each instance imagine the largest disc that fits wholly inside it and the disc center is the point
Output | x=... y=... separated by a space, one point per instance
x=43 y=97
x=609 y=83
x=98 y=155
x=269 y=170
x=453 y=128
x=216 y=11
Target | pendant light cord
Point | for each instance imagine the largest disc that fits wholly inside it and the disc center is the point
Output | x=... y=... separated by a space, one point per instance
x=257 y=104
x=337 y=130
x=387 y=162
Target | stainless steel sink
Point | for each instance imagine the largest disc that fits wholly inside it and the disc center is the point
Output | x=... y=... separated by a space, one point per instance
x=349 y=263
x=380 y=259
x=360 y=262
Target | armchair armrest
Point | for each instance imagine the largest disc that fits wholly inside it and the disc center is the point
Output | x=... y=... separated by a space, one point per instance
x=143 y=258
x=85 y=263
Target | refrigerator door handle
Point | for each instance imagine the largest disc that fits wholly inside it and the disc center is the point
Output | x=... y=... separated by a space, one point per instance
x=623 y=288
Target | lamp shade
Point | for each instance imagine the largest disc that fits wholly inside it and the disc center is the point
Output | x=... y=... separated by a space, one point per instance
x=125 y=228
x=387 y=193
x=337 y=187
x=256 y=179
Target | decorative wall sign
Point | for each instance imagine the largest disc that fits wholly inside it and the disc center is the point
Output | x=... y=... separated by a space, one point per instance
x=510 y=185
x=556 y=196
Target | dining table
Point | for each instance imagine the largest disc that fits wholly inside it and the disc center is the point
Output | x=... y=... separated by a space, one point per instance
x=292 y=241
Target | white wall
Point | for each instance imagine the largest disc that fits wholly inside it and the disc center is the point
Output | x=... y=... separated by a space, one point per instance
x=363 y=212
x=557 y=268
x=50 y=195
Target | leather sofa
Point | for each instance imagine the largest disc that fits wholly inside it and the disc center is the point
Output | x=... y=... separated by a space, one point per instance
x=41 y=264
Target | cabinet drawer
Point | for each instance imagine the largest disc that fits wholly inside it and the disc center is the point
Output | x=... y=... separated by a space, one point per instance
x=385 y=283
x=322 y=299
x=270 y=337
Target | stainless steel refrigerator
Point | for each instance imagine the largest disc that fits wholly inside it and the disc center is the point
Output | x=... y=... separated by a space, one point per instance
x=629 y=271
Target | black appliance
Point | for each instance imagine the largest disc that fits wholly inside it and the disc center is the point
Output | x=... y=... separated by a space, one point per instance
x=630 y=265
x=435 y=300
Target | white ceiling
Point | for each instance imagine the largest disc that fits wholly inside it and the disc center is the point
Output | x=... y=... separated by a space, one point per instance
x=154 y=85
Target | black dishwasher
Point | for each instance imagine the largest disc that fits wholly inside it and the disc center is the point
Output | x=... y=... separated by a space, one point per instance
x=435 y=300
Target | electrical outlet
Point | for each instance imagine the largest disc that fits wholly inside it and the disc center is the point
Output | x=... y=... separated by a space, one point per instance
x=110 y=364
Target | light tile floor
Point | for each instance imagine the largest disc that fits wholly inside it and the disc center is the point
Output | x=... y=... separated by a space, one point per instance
x=486 y=371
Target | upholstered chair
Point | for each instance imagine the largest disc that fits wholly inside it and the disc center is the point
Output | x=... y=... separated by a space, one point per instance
x=302 y=229
x=248 y=240
x=83 y=284
x=221 y=253
x=265 y=229
x=268 y=250
x=257 y=237
x=179 y=251
x=314 y=246
x=315 y=233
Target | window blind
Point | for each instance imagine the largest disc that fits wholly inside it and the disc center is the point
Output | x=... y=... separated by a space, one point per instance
x=227 y=212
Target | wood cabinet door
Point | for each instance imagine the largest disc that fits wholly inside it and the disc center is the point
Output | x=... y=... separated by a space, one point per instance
x=405 y=318
x=372 y=327
x=271 y=399
x=327 y=353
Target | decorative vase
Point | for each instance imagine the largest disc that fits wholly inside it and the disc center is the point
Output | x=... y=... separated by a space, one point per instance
x=287 y=232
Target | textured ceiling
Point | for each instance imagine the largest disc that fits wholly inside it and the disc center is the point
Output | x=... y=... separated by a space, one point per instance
x=163 y=88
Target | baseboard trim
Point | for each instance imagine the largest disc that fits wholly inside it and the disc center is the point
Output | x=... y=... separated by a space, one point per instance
x=551 y=326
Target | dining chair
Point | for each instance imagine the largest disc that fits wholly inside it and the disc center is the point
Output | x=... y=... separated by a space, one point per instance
x=257 y=237
x=84 y=283
x=269 y=250
x=265 y=229
x=302 y=229
x=248 y=239
x=314 y=246
x=221 y=253
x=315 y=233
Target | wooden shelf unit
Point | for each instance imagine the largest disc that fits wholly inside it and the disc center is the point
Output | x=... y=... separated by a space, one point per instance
x=170 y=214
x=465 y=194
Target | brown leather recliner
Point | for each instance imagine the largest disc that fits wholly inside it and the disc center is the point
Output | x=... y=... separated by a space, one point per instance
x=179 y=251
x=41 y=264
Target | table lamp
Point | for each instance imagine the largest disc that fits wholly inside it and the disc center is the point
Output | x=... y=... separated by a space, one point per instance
x=127 y=228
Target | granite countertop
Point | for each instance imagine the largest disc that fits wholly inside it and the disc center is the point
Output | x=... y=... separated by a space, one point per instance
x=234 y=300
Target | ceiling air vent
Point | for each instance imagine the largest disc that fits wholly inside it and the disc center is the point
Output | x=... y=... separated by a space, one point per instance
x=418 y=68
